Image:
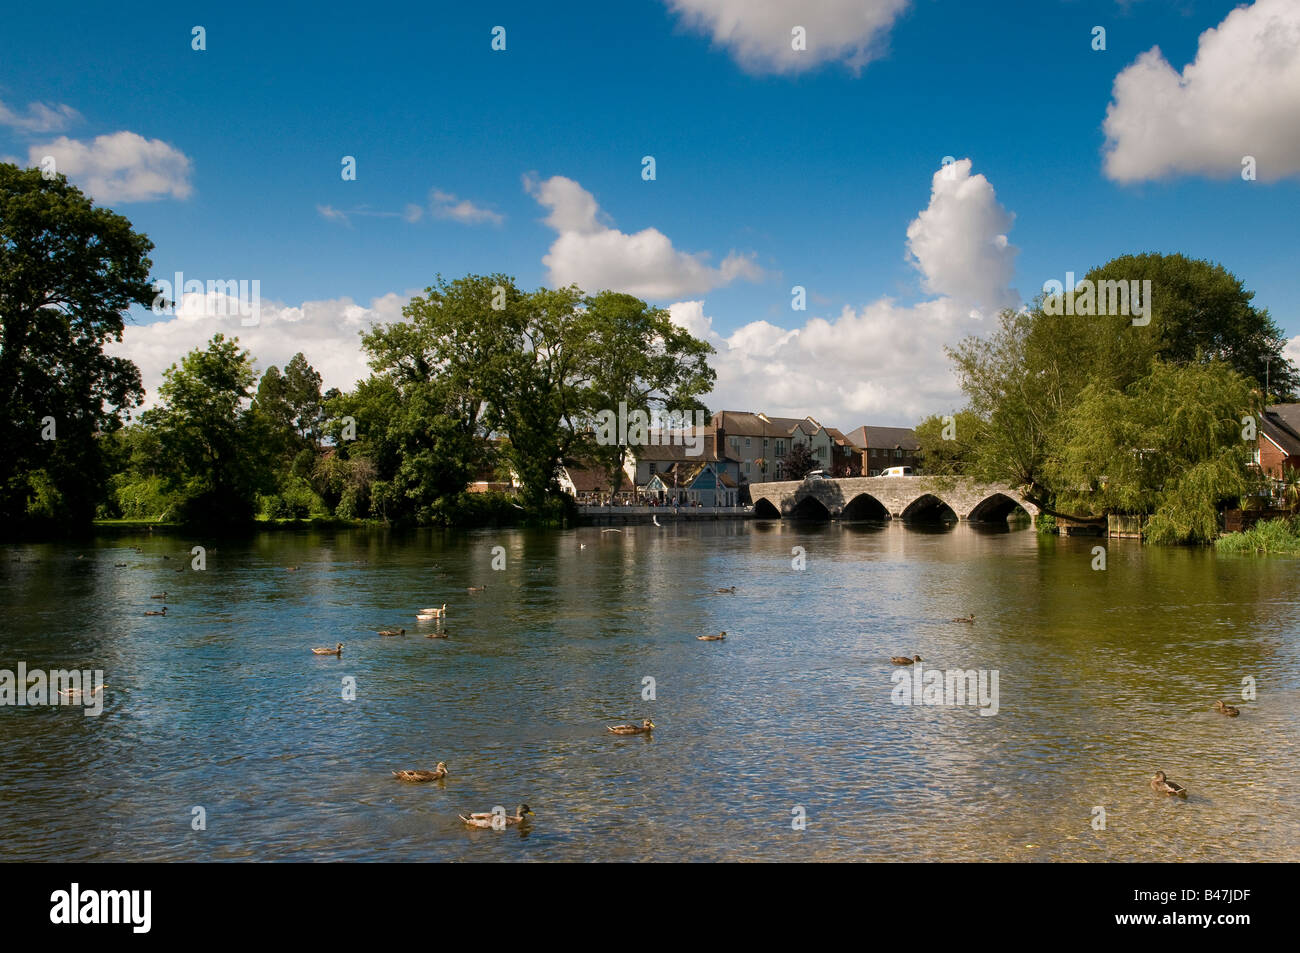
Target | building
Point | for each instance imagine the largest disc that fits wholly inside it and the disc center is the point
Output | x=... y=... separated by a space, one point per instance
x=847 y=456
x=759 y=443
x=693 y=484
x=1277 y=444
x=883 y=447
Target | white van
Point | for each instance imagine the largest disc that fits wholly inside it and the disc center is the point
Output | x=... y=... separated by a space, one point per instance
x=897 y=471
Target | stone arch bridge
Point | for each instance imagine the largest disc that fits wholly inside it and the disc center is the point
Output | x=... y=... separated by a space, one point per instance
x=882 y=498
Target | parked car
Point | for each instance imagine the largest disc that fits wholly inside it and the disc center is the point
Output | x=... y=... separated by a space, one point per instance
x=897 y=471
x=816 y=475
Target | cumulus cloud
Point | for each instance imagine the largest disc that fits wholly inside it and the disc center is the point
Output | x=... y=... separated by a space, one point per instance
x=326 y=332
x=39 y=118
x=121 y=167
x=445 y=205
x=596 y=256
x=882 y=363
x=1239 y=97
x=758 y=33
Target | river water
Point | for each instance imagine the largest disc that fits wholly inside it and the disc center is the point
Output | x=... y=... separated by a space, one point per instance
x=783 y=742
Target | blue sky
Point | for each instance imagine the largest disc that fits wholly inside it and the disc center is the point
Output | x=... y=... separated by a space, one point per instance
x=809 y=173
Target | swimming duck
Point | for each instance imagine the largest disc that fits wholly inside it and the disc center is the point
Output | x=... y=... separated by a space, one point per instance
x=644 y=728
x=419 y=777
x=427 y=615
x=161 y=595
x=904 y=660
x=720 y=637
x=476 y=588
x=1228 y=710
x=440 y=634
x=337 y=650
x=77 y=692
x=499 y=821
x=727 y=591
x=1165 y=786
x=162 y=611
x=968 y=620
x=391 y=631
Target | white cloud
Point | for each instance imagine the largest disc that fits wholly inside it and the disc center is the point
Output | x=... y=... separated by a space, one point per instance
x=759 y=35
x=326 y=332
x=40 y=118
x=596 y=256
x=1239 y=97
x=445 y=205
x=883 y=363
x=121 y=167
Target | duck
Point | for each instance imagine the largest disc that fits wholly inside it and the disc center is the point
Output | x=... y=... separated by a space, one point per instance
x=904 y=660
x=497 y=820
x=969 y=620
x=162 y=611
x=644 y=728
x=337 y=650
x=475 y=588
x=727 y=591
x=419 y=777
x=720 y=637
x=78 y=693
x=439 y=634
x=1165 y=786
x=161 y=595
x=425 y=615
x=290 y=568
x=1228 y=710
x=391 y=631
x=119 y=565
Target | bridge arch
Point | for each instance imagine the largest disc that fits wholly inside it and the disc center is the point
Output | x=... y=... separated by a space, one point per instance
x=996 y=508
x=810 y=508
x=765 y=509
x=864 y=506
x=928 y=508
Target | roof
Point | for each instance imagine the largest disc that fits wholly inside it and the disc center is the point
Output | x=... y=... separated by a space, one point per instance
x=746 y=424
x=888 y=438
x=1281 y=424
x=676 y=451
x=588 y=480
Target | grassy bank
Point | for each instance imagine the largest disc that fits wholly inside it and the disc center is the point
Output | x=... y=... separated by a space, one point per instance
x=1281 y=536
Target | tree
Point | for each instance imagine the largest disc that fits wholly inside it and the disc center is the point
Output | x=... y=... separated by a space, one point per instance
x=1025 y=380
x=797 y=464
x=210 y=438
x=639 y=358
x=68 y=273
x=948 y=445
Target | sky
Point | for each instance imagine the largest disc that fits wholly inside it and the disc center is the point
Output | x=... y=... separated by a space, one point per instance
x=913 y=165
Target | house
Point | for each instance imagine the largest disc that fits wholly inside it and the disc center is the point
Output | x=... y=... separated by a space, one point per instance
x=846 y=458
x=759 y=443
x=693 y=484
x=587 y=482
x=1277 y=444
x=658 y=456
x=884 y=447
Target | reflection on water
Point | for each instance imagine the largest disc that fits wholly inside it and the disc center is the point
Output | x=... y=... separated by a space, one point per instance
x=1104 y=677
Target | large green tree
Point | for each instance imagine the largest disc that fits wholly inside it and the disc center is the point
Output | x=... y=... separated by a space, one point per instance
x=210 y=436
x=68 y=273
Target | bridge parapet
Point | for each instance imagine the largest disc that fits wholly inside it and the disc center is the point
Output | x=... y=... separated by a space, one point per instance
x=899 y=497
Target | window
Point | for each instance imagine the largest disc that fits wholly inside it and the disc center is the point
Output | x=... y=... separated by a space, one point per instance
x=746 y=443
x=821 y=453
x=652 y=468
x=735 y=443
x=1255 y=456
x=780 y=448
x=746 y=466
x=898 y=454
x=764 y=443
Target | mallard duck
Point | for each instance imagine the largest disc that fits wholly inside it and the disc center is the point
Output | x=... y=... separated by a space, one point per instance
x=720 y=637
x=497 y=820
x=162 y=611
x=439 y=634
x=119 y=565
x=969 y=620
x=1165 y=786
x=419 y=777
x=645 y=727
x=476 y=588
x=161 y=595
x=730 y=590
x=1228 y=710
x=337 y=650
x=391 y=631
x=904 y=660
